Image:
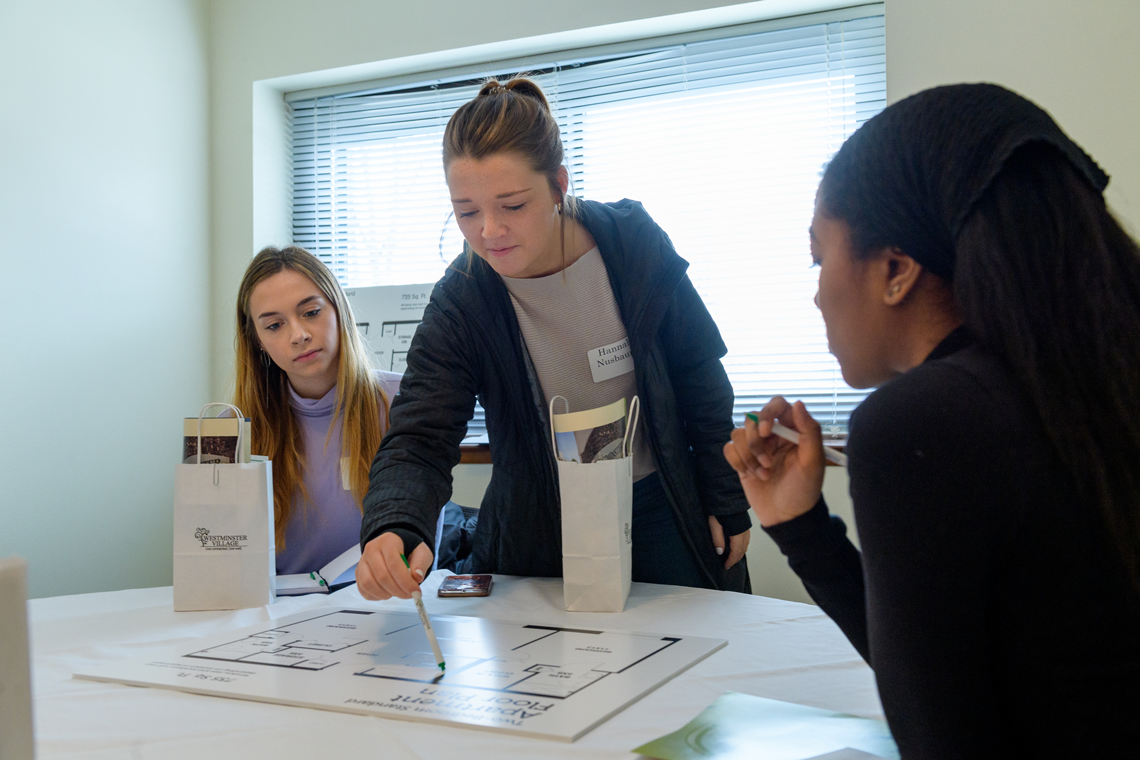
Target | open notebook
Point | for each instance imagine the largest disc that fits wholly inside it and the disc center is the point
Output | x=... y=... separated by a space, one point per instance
x=333 y=576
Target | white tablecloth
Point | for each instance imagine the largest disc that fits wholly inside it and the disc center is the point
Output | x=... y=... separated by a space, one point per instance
x=777 y=649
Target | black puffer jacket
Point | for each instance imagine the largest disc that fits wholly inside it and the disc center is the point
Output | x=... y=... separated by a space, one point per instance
x=469 y=345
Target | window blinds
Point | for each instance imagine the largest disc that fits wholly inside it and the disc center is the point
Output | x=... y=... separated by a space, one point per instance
x=722 y=140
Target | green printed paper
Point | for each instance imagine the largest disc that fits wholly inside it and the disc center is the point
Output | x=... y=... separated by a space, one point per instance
x=743 y=727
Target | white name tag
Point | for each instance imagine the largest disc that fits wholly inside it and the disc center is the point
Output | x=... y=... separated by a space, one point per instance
x=610 y=361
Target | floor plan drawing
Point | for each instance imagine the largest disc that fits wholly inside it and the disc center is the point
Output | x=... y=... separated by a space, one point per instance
x=307 y=645
x=547 y=681
x=547 y=661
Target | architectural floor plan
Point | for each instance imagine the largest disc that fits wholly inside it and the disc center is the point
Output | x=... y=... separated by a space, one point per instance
x=536 y=680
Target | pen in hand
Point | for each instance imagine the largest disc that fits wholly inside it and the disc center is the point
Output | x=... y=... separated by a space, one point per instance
x=830 y=454
x=427 y=623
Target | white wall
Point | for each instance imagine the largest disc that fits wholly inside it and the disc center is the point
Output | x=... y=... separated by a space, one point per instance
x=103 y=203
x=1080 y=61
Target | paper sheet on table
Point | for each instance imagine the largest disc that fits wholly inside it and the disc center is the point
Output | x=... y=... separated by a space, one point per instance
x=533 y=680
x=744 y=727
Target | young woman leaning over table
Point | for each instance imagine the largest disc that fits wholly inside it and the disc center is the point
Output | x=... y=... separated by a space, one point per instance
x=318 y=410
x=970 y=270
x=545 y=279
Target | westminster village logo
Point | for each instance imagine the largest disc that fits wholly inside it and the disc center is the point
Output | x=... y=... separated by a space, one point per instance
x=223 y=543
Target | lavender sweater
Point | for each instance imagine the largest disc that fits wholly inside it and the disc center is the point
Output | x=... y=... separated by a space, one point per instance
x=322 y=528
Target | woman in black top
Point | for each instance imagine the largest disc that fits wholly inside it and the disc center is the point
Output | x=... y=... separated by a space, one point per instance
x=970 y=270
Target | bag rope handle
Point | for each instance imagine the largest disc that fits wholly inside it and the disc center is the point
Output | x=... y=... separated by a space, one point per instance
x=240 y=419
x=553 y=440
x=634 y=414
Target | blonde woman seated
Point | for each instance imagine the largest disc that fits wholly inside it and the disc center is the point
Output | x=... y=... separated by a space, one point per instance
x=318 y=409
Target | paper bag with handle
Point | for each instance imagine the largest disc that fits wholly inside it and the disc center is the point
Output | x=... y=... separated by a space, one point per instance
x=594 y=450
x=224 y=556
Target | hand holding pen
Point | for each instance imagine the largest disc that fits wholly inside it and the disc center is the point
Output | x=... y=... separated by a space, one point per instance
x=383 y=572
x=781 y=479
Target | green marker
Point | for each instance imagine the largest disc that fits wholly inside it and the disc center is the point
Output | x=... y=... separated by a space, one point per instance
x=427 y=623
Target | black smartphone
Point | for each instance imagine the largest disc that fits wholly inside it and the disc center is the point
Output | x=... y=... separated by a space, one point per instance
x=466 y=585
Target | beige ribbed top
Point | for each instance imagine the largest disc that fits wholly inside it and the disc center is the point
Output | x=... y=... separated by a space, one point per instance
x=563 y=319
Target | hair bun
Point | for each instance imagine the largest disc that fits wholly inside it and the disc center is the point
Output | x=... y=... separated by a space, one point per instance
x=491 y=87
x=517 y=85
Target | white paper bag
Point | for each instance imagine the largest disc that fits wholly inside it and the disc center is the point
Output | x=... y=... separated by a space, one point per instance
x=224 y=553
x=597 y=526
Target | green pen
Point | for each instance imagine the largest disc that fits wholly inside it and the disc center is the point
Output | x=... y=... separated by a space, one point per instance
x=427 y=623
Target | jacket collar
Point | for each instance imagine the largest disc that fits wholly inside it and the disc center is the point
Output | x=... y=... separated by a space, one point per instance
x=960 y=337
x=643 y=267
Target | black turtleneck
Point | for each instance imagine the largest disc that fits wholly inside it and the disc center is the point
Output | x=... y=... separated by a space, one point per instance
x=985 y=597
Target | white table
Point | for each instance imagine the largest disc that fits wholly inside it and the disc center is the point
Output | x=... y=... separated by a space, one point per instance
x=777 y=649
